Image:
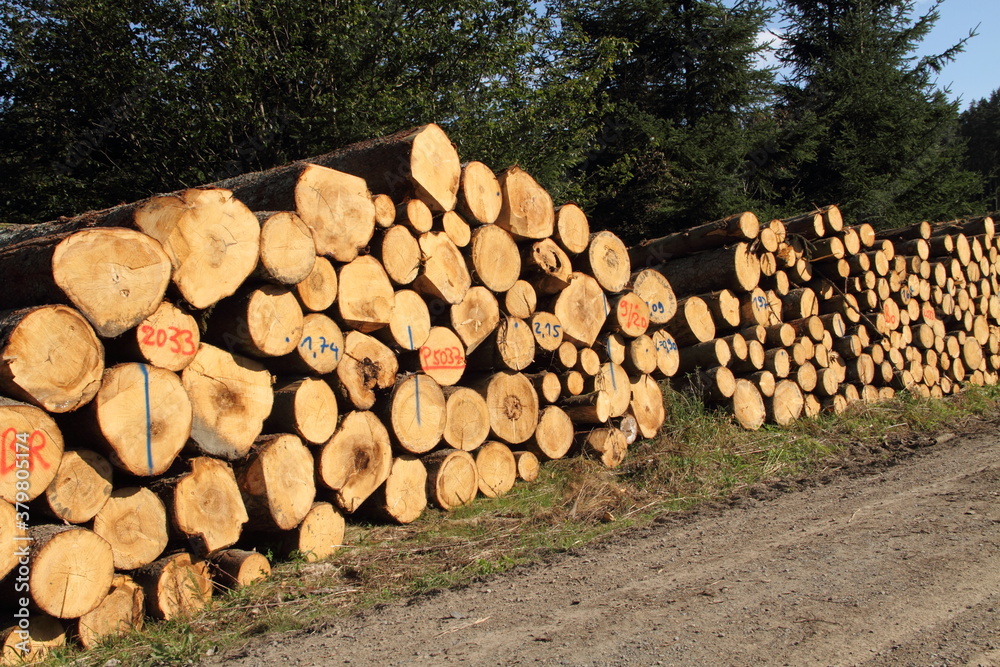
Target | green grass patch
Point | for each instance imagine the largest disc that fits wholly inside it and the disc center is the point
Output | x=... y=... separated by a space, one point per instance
x=699 y=455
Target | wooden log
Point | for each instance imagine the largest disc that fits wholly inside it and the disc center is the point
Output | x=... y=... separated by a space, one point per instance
x=204 y=504
x=442 y=356
x=765 y=381
x=114 y=277
x=81 y=486
x=276 y=482
x=385 y=210
x=31 y=448
x=521 y=300
x=693 y=323
x=365 y=298
x=320 y=534
x=920 y=230
x=646 y=405
x=444 y=275
x=319 y=349
x=230 y=398
x=607 y=261
x=452 y=478
x=512 y=404
x=168 y=338
x=236 y=568
x=176 y=586
x=547 y=330
x=367 y=365
x=399 y=253
x=747 y=405
x=526 y=209
x=496 y=468
x=416 y=215
x=13 y=530
x=356 y=460
x=778 y=362
x=733 y=229
x=547 y=266
x=612 y=380
x=120 y=613
x=467 y=418
x=592 y=408
x=475 y=317
x=479 y=194
x=715 y=352
x=553 y=436
x=608 y=445
x=756 y=356
x=287 y=249
x=655 y=290
x=417 y=414
x=319 y=289
x=628 y=315
x=805 y=376
x=336 y=206
x=527 y=466
x=402 y=498
x=409 y=324
x=262 y=322
x=799 y=303
x=494 y=258
x=142 y=416
x=511 y=345
x=572 y=229
x=734 y=268
x=582 y=310
x=640 y=358
x=306 y=407
x=134 y=522
x=50 y=357
x=71 y=570
x=779 y=335
x=20 y=646
x=787 y=403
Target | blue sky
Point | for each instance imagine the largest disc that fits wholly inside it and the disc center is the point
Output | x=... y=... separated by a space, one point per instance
x=975 y=73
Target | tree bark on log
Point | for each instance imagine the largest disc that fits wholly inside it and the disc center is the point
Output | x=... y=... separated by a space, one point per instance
x=733 y=229
x=734 y=268
x=306 y=407
x=237 y=568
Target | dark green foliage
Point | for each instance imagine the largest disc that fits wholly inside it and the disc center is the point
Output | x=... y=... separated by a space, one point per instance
x=109 y=101
x=980 y=127
x=683 y=114
x=864 y=125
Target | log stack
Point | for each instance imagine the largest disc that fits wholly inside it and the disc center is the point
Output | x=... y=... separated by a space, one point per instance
x=384 y=328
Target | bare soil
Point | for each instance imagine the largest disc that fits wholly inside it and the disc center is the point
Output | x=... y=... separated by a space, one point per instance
x=888 y=557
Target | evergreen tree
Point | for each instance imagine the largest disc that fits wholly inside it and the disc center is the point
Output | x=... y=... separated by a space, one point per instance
x=980 y=126
x=683 y=109
x=871 y=131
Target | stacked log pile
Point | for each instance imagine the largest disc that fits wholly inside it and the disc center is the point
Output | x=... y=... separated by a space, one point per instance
x=383 y=328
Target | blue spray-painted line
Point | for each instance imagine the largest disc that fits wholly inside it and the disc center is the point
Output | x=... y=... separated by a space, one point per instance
x=149 y=421
x=409 y=332
x=416 y=382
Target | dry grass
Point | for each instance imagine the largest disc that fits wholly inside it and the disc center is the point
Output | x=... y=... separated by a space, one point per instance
x=700 y=455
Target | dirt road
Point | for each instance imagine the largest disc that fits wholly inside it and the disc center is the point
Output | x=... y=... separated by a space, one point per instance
x=886 y=564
